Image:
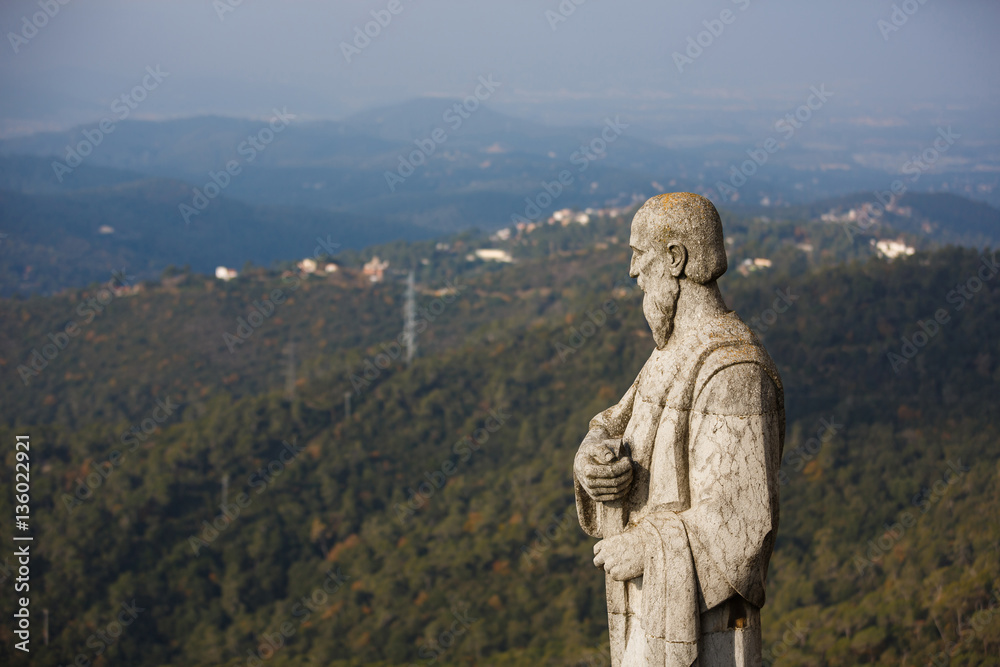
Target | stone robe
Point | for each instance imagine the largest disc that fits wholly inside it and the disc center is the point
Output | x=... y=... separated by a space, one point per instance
x=705 y=423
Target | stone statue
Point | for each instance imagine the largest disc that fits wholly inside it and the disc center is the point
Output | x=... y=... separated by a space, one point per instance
x=679 y=480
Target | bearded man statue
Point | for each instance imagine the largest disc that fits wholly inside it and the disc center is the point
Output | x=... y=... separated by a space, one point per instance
x=679 y=480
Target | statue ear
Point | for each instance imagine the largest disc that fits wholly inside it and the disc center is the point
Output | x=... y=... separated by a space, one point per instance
x=676 y=258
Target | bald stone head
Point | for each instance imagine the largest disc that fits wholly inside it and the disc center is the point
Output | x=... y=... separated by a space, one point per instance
x=686 y=219
x=675 y=237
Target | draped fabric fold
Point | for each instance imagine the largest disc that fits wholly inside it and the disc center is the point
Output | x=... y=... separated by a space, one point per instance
x=670 y=598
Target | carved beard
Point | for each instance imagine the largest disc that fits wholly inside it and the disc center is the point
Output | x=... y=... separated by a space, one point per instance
x=659 y=306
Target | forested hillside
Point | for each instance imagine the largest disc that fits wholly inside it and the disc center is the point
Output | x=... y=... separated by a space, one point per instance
x=433 y=523
x=102 y=374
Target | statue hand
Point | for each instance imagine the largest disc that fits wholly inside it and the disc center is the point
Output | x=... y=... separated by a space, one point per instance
x=622 y=556
x=603 y=477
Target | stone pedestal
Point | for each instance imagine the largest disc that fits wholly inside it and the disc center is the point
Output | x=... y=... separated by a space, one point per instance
x=730 y=636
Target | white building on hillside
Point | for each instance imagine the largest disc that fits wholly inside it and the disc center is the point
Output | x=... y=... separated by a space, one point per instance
x=893 y=249
x=493 y=255
x=375 y=269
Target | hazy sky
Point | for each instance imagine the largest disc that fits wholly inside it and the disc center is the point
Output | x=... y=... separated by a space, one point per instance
x=605 y=54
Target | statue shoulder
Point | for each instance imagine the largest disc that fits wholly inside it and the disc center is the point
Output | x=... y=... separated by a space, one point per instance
x=737 y=375
x=742 y=388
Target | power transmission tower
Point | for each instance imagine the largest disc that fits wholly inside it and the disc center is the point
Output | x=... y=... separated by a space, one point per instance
x=410 y=319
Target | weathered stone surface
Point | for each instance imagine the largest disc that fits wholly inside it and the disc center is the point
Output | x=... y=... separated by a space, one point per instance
x=679 y=479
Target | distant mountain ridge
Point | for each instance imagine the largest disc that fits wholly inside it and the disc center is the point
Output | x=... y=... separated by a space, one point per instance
x=370 y=178
x=78 y=237
x=343 y=165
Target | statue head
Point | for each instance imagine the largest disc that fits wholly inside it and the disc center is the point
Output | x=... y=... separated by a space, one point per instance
x=675 y=237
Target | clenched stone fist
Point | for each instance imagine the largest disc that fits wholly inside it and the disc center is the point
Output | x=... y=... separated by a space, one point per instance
x=603 y=474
